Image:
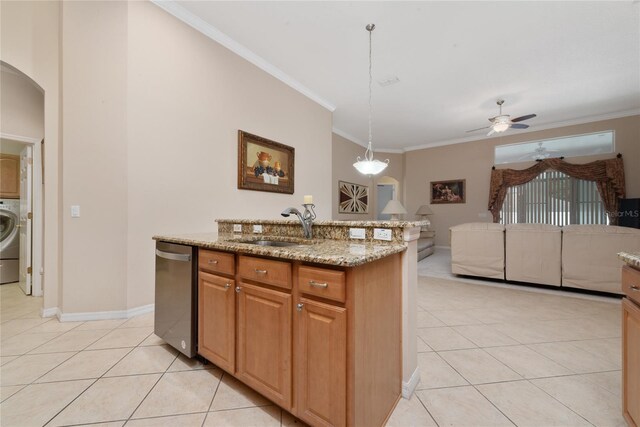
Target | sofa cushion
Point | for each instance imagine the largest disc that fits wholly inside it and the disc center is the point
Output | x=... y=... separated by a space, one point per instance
x=589 y=255
x=477 y=249
x=532 y=253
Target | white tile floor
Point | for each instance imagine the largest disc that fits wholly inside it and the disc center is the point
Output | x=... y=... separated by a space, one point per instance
x=489 y=355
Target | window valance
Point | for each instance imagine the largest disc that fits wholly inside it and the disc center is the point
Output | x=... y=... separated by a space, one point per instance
x=608 y=175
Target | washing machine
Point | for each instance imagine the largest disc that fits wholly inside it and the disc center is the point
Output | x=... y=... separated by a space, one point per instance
x=9 y=240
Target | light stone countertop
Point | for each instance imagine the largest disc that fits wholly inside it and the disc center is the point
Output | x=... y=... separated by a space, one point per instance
x=322 y=251
x=334 y=223
x=632 y=259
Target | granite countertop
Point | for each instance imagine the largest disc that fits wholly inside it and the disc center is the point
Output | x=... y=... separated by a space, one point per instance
x=334 y=223
x=630 y=258
x=333 y=252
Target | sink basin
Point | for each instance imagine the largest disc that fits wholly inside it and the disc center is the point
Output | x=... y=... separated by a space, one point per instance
x=271 y=243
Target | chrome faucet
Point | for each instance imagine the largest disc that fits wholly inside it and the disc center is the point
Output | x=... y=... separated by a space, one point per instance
x=306 y=219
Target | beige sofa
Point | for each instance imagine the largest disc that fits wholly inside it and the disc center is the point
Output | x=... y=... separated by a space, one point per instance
x=576 y=256
x=589 y=259
x=533 y=253
x=477 y=249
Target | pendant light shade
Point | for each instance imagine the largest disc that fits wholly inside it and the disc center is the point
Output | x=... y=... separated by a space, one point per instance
x=368 y=165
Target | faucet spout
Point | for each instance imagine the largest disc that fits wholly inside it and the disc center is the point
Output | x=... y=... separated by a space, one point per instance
x=306 y=218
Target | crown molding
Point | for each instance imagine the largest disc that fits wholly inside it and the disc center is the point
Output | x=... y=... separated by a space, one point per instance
x=20 y=138
x=174 y=8
x=359 y=142
x=554 y=125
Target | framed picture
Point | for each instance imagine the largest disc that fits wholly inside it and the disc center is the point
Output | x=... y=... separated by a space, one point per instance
x=264 y=165
x=448 y=191
x=353 y=198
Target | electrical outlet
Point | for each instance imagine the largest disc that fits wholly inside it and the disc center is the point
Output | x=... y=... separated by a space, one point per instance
x=75 y=211
x=357 y=233
x=237 y=228
x=257 y=228
x=382 y=234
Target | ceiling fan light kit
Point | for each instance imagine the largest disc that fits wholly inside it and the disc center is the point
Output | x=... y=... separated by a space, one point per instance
x=502 y=122
x=368 y=165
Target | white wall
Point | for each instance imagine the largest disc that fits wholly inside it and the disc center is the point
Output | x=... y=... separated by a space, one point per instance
x=21 y=106
x=29 y=37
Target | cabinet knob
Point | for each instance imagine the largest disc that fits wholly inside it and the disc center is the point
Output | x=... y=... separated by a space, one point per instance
x=635 y=288
x=299 y=306
x=227 y=286
x=237 y=289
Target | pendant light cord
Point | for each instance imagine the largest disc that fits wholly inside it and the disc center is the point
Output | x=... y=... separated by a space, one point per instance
x=369 y=153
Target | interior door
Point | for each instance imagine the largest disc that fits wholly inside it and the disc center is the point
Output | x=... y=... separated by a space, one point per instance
x=385 y=193
x=26 y=166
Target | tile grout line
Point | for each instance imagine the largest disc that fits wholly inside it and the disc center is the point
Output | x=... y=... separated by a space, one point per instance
x=214 y=396
x=560 y=402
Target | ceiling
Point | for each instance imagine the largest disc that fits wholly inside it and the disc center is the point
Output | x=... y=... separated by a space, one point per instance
x=568 y=62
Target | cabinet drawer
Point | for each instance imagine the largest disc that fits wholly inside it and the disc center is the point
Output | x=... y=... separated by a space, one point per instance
x=216 y=262
x=322 y=282
x=631 y=283
x=276 y=273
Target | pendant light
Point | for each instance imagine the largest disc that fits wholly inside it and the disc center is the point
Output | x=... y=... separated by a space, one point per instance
x=368 y=165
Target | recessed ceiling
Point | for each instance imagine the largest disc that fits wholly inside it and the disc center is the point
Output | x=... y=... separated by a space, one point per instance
x=564 y=61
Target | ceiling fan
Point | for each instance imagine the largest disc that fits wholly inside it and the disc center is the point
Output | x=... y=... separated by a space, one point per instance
x=502 y=122
x=540 y=153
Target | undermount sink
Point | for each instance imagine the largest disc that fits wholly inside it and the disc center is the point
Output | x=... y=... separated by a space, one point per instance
x=271 y=243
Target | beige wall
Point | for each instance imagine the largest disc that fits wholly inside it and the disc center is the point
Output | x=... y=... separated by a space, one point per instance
x=21 y=106
x=30 y=42
x=188 y=96
x=148 y=109
x=472 y=161
x=344 y=154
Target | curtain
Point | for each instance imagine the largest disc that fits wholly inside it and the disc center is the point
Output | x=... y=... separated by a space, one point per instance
x=608 y=175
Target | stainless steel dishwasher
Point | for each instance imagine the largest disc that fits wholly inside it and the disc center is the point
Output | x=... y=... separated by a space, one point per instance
x=176 y=299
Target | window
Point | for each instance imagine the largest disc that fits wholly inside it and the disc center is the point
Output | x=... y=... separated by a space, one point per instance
x=554 y=198
x=567 y=146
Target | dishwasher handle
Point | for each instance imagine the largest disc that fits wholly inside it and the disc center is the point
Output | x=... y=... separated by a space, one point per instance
x=173 y=256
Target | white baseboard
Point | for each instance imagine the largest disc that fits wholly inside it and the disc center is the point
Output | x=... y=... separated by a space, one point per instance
x=50 y=312
x=98 y=315
x=409 y=387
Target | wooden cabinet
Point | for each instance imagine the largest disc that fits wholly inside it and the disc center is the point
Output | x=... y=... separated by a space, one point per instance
x=322 y=343
x=264 y=342
x=9 y=176
x=217 y=320
x=321 y=365
x=631 y=347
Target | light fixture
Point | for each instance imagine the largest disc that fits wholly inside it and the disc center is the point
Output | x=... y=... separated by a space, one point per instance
x=368 y=165
x=394 y=208
x=500 y=126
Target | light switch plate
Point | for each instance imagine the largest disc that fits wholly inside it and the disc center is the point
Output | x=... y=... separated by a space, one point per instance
x=237 y=228
x=382 y=234
x=357 y=233
x=75 y=211
x=257 y=228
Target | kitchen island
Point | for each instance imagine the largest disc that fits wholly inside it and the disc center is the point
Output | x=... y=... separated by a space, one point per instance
x=317 y=326
x=631 y=337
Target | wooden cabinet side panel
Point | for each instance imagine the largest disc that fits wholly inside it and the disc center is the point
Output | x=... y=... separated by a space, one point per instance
x=264 y=342
x=374 y=369
x=321 y=363
x=9 y=176
x=631 y=362
x=217 y=320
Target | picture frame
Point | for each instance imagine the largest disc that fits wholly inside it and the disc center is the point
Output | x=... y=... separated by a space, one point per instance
x=451 y=191
x=352 y=198
x=265 y=165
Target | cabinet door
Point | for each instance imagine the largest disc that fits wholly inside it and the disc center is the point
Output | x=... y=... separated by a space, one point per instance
x=217 y=320
x=321 y=368
x=9 y=176
x=264 y=342
x=631 y=362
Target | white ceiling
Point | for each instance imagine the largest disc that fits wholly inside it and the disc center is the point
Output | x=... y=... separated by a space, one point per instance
x=567 y=62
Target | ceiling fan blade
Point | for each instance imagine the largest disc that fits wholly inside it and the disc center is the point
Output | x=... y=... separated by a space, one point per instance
x=521 y=118
x=473 y=130
x=518 y=126
x=491 y=132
